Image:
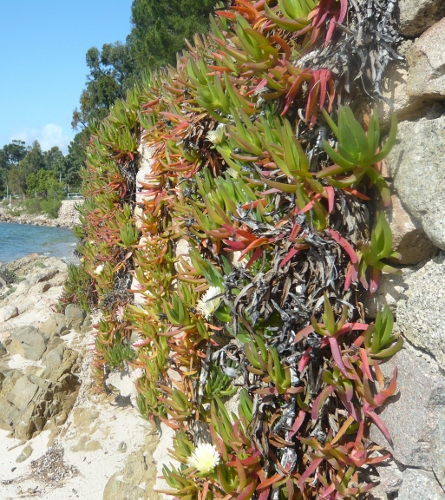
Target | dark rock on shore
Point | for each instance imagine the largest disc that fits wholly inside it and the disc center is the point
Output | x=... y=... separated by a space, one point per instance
x=36 y=395
x=39 y=378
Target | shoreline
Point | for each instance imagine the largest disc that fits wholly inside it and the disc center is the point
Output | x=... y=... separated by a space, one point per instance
x=34 y=221
x=68 y=217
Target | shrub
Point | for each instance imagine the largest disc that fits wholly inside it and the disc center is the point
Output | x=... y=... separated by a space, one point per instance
x=51 y=207
x=33 y=206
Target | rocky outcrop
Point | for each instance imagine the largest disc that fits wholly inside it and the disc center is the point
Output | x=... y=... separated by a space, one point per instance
x=139 y=471
x=44 y=388
x=409 y=239
x=26 y=341
x=415 y=170
x=416 y=165
x=38 y=283
x=29 y=401
x=74 y=316
x=426 y=60
x=420 y=314
x=415 y=16
x=415 y=421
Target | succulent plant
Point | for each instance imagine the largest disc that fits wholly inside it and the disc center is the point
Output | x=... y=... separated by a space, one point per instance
x=280 y=249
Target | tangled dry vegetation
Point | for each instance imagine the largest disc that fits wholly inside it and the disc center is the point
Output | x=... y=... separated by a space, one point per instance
x=264 y=159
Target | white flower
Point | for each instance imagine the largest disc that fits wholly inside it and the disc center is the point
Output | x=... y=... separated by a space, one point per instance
x=209 y=302
x=99 y=269
x=204 y=458
x=137 y=373
x=217 y=136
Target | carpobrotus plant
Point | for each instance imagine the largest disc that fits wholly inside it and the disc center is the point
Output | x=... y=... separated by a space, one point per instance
x=264 y=175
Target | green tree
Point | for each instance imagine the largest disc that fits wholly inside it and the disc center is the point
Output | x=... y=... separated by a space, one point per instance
x=54 y=160
x=110 y=69
x=75 y=159
x=43 y=183
x=17 y=180
x=34 y=159
x=160 y=28
x=10 y=155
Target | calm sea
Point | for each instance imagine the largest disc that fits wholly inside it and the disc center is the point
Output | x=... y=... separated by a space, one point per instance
x=18 y=240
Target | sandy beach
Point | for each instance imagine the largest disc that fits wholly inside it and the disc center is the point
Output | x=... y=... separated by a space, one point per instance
x=102 y=448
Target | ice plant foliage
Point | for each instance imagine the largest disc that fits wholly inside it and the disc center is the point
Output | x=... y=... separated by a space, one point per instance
x=266 y=177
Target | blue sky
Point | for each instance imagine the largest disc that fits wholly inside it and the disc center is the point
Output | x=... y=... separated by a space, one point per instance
x=42 y=63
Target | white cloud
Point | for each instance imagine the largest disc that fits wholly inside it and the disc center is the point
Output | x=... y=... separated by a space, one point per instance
x=49 y=136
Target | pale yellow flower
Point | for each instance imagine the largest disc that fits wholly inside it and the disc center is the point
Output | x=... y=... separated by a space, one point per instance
x=205 y=457
x=99 y=270
x=209 y=302
x=217 y=136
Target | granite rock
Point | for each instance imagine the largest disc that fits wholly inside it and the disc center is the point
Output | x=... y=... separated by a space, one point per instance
x=8 y=312
x=26 y=341
x=416 y=165
x=74 y=316
x=394 y=90
x=415 y=16
x=415 y=416
x=420 y=485
x=408 y=237
x=136 y=480
x=420 y=315
x=29 y=401
x=426 y=61
x=54 y=325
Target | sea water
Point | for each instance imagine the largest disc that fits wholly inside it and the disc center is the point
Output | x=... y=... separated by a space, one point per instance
x=18 y=240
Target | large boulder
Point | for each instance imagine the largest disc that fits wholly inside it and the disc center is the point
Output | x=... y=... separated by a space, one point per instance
x=26 y=341
x=416 y=165
x=420 y=485
x=29 y=401
x=416 y=421
x=74 y=316
x=420 y=314
x=415 y=16
x=395 y=92
x=8 y=312
x=408 y=237
x=54 y=325
x=426 y=60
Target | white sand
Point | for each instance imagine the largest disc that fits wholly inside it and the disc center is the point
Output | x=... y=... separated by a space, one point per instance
x=91 y=438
